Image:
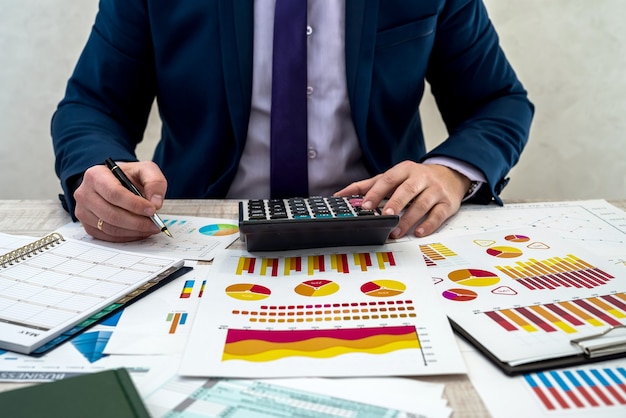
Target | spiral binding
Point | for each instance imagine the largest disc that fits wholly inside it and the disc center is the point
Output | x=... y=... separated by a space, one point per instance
x=29 y=250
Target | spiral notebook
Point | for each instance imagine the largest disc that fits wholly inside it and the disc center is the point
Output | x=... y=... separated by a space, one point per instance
x=54 y=287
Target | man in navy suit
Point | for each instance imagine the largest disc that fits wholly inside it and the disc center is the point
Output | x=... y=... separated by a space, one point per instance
x=208 y=64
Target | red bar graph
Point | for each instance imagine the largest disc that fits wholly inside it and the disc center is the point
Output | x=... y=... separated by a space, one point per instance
x=565 y=316
x=555 y=272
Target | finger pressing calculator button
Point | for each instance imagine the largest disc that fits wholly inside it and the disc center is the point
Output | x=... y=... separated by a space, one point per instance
x=366 y=213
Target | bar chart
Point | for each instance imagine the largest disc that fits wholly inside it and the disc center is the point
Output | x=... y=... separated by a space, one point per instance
x=330 y=312
x=312 y=264
x=579 y=389
x=565 y=316
x=556 y=272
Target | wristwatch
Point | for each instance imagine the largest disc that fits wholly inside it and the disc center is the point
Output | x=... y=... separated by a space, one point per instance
x=473 y=186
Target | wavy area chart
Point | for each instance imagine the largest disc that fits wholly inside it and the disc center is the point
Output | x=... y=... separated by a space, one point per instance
x=555 y=272
x=271 y=345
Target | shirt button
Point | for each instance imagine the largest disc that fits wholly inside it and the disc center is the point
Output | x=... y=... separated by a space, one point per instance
x=309 y=30
x=309 y=90
x=312 y=153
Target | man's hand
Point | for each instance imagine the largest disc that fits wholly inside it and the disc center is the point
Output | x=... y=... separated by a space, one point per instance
x=427 y=193
x=110 y=212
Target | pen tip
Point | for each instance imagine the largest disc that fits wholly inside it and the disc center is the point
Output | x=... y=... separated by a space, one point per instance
x=167 y=232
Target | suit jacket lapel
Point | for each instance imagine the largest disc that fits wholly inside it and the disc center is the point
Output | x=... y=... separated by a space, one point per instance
x=361 y=27
x=236 y=31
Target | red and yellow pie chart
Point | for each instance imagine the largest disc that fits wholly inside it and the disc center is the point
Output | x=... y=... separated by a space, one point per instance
x=248 y=291
x=473 y=277
x=517 y=238
x=317 y=288
x=383 y=288
x=504 y=252
x=459 y=295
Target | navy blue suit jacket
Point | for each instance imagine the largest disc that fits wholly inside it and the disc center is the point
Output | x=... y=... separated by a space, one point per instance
x=195 y=57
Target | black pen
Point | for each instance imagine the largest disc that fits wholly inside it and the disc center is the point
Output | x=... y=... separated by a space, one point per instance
x=117 y=172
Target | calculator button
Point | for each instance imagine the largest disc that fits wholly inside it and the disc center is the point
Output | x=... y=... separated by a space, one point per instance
x=278 y=215
x=257 y=215
x=324 y=215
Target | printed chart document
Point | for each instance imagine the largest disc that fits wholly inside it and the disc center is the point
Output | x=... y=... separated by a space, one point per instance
x=529 y=299
x=168 y=395
x=54 y=287
x=81 y=354
x=161 y=323
x=596 y=225
x=194 y=238
x=358 y=311
x=596 y=390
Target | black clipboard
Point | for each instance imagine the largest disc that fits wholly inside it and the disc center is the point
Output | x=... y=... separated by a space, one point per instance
x=587 y=354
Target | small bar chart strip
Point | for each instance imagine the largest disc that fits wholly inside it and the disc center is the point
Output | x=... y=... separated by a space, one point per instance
x=314 y=264
x=438 y=254
x=330 y=312
x=175 y=319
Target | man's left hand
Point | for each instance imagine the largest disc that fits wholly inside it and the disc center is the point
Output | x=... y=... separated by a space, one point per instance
x=427 y=194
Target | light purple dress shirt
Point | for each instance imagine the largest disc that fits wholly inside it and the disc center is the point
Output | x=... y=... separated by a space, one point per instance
x=335 y=158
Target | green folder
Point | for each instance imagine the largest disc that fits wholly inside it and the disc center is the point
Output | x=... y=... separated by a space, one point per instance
x=109 y=394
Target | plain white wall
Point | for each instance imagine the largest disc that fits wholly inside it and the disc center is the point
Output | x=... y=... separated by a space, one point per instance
x=570 y=55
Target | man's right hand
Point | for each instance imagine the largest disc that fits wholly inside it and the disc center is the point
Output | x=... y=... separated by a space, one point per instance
x=110 y=212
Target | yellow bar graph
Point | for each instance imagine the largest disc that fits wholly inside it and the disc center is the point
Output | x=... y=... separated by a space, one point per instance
x=243 y=265
x=518 y=320
x=553 y=319
x=582 y=314
x=313 y=264
x=443 y=250
x=360 y=259
x=606 y=307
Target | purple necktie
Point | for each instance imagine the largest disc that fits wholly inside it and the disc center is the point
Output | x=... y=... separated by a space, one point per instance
x=288 y=169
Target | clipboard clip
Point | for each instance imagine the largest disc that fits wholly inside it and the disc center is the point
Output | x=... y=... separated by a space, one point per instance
x=602 y=349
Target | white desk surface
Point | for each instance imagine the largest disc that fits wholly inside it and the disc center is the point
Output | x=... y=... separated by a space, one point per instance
x=39 y=217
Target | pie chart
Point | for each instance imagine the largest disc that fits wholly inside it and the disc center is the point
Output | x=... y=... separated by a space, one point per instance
x=317 y=288
x=504 y=252
x=383 y=288
x=517 y=238
x=218 y=230
x=247 y=291
x=459 y=295
x=473 y=277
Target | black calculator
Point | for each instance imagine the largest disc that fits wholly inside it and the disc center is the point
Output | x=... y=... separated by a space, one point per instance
x=313 y=222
